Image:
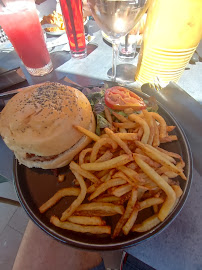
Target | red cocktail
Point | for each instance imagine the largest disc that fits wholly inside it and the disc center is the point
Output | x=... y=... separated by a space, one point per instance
x=73 y=19
x=20 y=22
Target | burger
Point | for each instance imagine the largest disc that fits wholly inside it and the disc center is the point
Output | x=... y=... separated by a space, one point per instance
x=37 y=124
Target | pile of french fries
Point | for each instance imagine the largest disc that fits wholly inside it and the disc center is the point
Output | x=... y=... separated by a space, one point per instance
x=121 y=173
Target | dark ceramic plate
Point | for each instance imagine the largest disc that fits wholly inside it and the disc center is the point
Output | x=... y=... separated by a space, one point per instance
x=35 y=186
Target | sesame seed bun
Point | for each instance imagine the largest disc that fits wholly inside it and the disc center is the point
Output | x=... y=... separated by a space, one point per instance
x=37 y=124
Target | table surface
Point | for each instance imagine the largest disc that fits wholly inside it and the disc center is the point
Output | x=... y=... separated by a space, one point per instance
x=180 y=245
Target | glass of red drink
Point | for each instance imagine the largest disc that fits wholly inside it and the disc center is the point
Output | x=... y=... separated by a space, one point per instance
x=73 y=19
x=20 y=21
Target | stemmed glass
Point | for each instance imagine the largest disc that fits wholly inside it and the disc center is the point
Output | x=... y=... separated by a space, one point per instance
x=117 y=18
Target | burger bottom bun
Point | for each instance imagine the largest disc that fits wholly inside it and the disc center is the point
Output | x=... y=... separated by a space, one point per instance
x=62 y=159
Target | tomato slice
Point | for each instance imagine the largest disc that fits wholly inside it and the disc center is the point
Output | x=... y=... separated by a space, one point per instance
x=120 y=98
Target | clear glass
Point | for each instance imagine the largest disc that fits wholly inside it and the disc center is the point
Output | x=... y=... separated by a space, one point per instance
x=116 y=19
x=21 y=24
x=127 y=47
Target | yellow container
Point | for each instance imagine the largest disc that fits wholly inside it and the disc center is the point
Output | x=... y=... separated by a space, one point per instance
x=172 y=32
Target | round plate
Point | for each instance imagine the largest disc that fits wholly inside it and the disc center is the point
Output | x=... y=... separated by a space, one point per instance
x=36 y=186
x=57 y=33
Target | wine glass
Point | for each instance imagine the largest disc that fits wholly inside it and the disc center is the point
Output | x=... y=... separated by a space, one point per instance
x=117 y=18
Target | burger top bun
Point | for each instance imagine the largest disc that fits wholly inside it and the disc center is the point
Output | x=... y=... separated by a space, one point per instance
x=40 y=119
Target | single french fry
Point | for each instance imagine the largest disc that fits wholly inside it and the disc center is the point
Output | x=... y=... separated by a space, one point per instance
x=150 y=202
x=72 y=208
x=82 y=155
x=91 y=188
x=147 y=224
x=178 y=190
x=108 y=115
x=154 y=176
x=180 y=164
x=127 y=213
x=143 y=123
x=106 y=156
x=61 y=178
x=156 y=140
x=88 y=133
x=87 y=220
x=106 y=185
x=71 y=191
x=99 y=209
x=75 y=167
x=162 y=123
x=170 y=128
x=97 y=146
x=107 y=199
x=120 y=191
x=169 y=138
x=149 y=120
x=127 y=136
x=110 y=164
x=80 y=228
x=140 y=132
x=129 y=224
x=118 y=140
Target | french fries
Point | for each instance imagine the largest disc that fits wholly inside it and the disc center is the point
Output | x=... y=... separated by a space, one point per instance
x=147 y=224
x=171 y=197
x=75 y=167
x=162 y=123
x=80 y=228
x=82 y=155
x=159 y=157
x=126 y=215
x=69 y=211
x=108 y=184
x=150 y=202
x=118 y=140
x=120 y=191
x=88 y=133
x=110 y=164
x=106 y=156
x=99 y=209
x=129 y=224
x=123 y=172
x=58 y=196
x=98 y=145
x=127 y=136
x=82 y=220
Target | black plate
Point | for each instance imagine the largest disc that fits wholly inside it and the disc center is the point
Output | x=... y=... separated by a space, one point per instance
x=35 y=186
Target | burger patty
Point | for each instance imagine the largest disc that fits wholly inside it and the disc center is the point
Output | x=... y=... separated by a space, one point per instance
x=33 y=157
